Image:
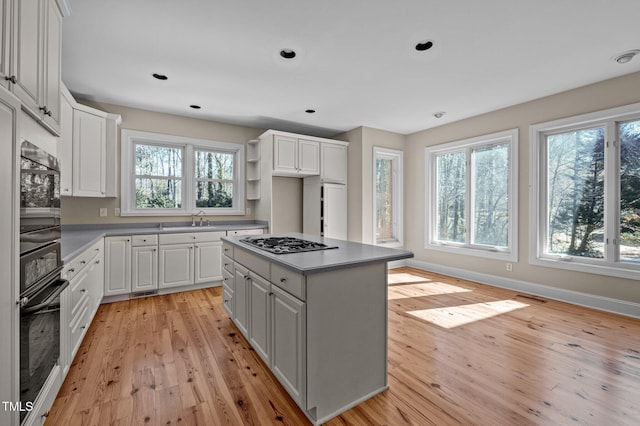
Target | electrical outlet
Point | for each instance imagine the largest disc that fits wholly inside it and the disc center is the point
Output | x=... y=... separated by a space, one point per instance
x=103 y=211
x=509 y=266
x=248 y=210
x=116 y=211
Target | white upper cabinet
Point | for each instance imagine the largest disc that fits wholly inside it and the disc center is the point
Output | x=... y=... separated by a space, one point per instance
x=89 y=154
x=34 y=66
x=295 y=157
x=333 y=158
x=87 y=150
x=5 y=41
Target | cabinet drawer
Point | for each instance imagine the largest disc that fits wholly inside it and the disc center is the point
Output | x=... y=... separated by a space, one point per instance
x=228 y=281
x=192 y=237
x=252 y=262
x=202 y=237
x=75 y=266
x=227 y=264
x=257 y=231
x=227 y=249
x=144 y=240
x=227 y=301
x=79 y=294
x=291 y=282
x=77 y=327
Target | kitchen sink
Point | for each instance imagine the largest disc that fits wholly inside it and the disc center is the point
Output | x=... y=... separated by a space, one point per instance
x=189 y=228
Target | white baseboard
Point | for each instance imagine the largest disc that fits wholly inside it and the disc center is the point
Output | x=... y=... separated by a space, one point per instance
x=602 y=303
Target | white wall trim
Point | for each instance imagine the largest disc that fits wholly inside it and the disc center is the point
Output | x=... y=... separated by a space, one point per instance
x=602 y=303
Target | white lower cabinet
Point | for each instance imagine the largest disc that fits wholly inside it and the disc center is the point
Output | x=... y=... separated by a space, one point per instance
x=273 y=320
x=259 y=317
x=287 y=342
x=176 y=265
x=117 y=265
x=144 y=268
x=241 y=296
x=208 y=262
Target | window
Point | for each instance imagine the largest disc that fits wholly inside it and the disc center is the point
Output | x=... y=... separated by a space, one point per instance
x=471 y=196
x=586 y=191
x=169 y=175
x=387 y=197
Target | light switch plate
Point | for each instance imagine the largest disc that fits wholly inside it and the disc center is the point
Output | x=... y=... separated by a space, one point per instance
x=103 y=211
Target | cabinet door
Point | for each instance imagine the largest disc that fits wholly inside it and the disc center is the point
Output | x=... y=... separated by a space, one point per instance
x=335 y=211
x=241 y=296
x=288 y=343
x=308 y=157
x=65 y=147
x=333 y=163
x=89 y=152
x=96 y=283
x=144 y=268
x=176 y=265
x=5 y=40
x=51 y=89
x=259 y=326
x=117 y=265
x=285 y=155
x=27 y=52
x=208 y=262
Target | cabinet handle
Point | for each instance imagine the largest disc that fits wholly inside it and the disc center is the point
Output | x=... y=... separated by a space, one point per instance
x=154 y=249
x=97 y=261
x=83 y=290
x=270 y=294
x=283 y=280
x=83 y=262
x=12 y=79
x=83 y=327
x=71 y=270
x=97 y=249
x=45 y=110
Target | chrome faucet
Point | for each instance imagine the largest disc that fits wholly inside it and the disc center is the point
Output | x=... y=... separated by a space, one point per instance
x=200 y=213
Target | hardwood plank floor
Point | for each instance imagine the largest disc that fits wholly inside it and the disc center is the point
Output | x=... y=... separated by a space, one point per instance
x=459 y=353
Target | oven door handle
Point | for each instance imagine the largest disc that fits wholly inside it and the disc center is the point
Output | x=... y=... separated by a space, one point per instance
x=50 y=299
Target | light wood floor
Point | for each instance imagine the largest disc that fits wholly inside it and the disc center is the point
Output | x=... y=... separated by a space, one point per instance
x=459 y=353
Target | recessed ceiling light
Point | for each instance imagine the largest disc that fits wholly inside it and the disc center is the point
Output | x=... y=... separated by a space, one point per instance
x=439 y=114
x=160 y=76
x=424 y=45
x=626 y=57
x=310 y=111
x=288 y=53
x=195 y=106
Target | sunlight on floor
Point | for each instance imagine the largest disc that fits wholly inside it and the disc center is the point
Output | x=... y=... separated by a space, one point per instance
x=424 y=288
x=455 y=316
x=403 y=277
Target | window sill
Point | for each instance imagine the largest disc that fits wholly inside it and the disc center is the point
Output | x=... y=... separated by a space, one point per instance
x=477 y=252
x=573 y=264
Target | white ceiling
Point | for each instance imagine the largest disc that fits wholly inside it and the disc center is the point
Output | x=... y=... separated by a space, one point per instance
x=356 y=64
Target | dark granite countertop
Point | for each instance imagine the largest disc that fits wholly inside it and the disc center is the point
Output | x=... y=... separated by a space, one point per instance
x=77 y=238
x=348 y=254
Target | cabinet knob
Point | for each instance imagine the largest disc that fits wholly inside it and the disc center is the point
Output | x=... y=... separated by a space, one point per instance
x=283 y=280
x=71 y=270
x=97 y=261
x=270 y=294
x=144 y=241
x=154 y=249
x=83 y=262
x=12 y=79
x=83 y=290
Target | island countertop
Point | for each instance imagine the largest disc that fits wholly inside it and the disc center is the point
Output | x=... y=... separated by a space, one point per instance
x=346 y=255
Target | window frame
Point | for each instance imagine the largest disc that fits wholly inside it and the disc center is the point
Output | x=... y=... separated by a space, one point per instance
x=510 y=253
x=397 y=158
x=610 y=264
x=129 y=139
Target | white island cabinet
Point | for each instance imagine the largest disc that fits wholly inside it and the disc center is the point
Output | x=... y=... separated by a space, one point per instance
x=317 y=320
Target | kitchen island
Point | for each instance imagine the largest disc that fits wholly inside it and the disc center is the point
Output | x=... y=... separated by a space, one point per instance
x=318 y=319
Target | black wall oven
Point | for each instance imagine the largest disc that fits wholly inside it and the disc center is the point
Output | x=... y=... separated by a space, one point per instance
x=40 y=269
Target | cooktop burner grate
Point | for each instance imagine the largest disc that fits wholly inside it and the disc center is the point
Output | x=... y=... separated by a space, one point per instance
x=284 y=245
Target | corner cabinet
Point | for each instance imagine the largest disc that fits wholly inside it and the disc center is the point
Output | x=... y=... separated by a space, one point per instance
x=87 y=150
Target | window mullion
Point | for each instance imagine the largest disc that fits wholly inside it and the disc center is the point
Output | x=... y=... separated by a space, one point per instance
x=468 y=195
x=612 y=193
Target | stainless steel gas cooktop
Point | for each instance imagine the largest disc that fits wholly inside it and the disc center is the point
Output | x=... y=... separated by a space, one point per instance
x=284 y=245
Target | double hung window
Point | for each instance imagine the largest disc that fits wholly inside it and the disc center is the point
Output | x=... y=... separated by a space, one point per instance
x=586 y=197
x=169 y=175
x=471 y=196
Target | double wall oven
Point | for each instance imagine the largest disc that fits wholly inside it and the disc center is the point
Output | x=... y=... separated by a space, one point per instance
x=40 y=269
